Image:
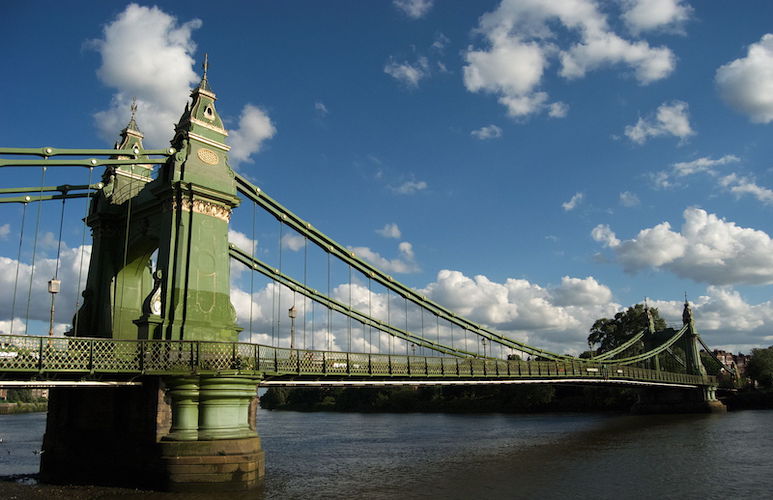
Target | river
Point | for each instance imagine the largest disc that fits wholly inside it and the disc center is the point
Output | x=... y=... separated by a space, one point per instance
x=494 y=456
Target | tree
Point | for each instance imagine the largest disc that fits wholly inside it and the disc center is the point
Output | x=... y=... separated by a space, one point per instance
x=760 y=367
x=610 y=333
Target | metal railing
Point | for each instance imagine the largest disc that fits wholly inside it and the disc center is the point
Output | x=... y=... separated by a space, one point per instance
x=25 y=356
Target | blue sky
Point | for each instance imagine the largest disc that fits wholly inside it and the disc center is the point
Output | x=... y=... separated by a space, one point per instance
x=533 y=165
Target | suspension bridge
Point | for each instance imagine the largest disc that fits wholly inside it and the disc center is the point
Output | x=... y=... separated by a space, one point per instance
x=151 y=385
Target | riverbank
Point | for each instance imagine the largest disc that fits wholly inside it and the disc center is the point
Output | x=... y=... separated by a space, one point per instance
x=14 y=408
x=452 y=399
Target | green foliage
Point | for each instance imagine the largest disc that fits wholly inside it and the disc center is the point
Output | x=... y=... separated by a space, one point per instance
x=760 y=367
x=20 y=396
x=610 y=333
x=274 y=398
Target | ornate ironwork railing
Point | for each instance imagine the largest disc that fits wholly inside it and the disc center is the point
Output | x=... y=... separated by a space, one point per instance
x=57 y=357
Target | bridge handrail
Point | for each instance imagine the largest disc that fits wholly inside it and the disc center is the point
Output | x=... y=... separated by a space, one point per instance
x=41 y=356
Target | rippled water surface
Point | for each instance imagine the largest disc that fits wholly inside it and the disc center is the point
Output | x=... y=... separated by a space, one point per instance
x=406 y=456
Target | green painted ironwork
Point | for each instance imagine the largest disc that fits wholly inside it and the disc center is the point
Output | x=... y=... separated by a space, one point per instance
x=617 y=350
x=62 y=357
x=334 y=248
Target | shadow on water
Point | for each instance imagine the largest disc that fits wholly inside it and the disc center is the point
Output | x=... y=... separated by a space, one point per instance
x=418 y=456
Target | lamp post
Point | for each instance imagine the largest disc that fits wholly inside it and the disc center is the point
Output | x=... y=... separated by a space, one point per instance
x=292 y=313
x=53 y=288
x=483 y=341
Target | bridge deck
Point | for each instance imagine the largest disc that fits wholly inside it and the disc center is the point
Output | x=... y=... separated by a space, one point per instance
x=24 y=357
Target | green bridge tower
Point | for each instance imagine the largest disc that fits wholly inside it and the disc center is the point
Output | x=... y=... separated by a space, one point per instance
x=187 y=432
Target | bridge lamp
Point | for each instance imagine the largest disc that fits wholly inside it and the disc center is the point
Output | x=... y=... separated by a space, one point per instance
x=483 y=341
x=54 y=285
x=292 y=313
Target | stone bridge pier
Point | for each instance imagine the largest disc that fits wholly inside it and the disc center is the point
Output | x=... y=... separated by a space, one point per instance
x=177 y=434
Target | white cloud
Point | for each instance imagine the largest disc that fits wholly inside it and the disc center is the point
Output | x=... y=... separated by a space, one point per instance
x=629 y=199
x=646 y=15
x=604 y=235
x=242 y=241
x=666 y=179
x=293 y=242
x=255 y=127
x=409 y=74
x=414 y=9
x=522 y=42
x=558 y=110
x=390 y=231
x=410 y=187
x=707 y=249
x=5 y=230
x=739 y=186
x=320 y=108
x=554 y=317
x=746 y=84
x=487 y=132
x=724 y=319
x=405 y=263
x=69 y=265
x=670 y=119
x=573 y=202
x=146 y=54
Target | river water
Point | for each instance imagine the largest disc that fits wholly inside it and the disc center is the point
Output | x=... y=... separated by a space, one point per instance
x=495 y=456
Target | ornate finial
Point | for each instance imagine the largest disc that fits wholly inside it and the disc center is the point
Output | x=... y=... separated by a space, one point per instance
x=687 y=313
x=205 y=65
x=134 y=108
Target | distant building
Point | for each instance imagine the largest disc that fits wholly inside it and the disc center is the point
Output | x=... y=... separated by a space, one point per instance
x=736 y=361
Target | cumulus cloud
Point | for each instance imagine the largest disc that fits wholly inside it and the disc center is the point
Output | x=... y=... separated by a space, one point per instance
x=521 y=43
x=146 y=53
x=725 y=319
x=629 y=199
x=404 y=264
x=646 y=15
x=390 y=231
x=69 y=275
x=669 y=119
x=746 y=83
x=555 y=317
x=707 y=249
x=487 y=132
x=414 y=9
x=575 y=200
x=255 y=127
